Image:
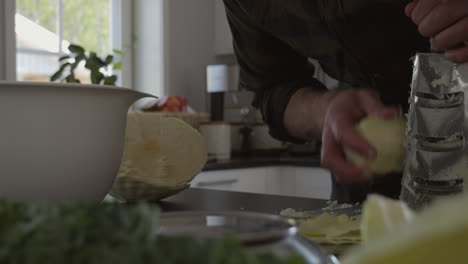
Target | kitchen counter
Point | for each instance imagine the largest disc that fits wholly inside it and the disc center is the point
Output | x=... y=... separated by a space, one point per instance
x=194 y=199
x=265 y=161
x=211 y=200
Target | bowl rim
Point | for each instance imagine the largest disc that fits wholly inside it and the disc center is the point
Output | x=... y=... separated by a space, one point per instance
x=286 y=227
x=55 y=85
x=61 y=85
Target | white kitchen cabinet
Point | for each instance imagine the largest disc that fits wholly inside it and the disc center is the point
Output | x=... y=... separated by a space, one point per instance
x=277 y=180
x=244 y=180
x=307 y=182
x=280 y=181
x=222 y=32
x=313 y=182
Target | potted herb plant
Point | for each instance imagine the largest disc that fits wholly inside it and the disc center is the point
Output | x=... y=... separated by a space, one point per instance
x=100 y=68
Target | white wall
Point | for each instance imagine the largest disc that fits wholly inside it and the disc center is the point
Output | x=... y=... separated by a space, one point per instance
x=191 y=49
x=191 y=38
x=173 y=44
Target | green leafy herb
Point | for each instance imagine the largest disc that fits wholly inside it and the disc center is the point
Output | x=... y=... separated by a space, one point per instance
x=101 y=233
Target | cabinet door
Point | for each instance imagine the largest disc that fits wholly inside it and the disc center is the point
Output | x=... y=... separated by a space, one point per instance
x=287 y=181
x=241 y=180
x=215 y=180
x=313 y=183
x=281 y=181
x=222 y=32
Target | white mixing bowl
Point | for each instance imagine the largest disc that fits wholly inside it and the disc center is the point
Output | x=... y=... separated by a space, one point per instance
x=61 y=141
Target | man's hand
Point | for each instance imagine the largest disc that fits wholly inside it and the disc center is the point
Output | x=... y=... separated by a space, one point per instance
x=343 y=112
x=445 y=22
x=332 y=115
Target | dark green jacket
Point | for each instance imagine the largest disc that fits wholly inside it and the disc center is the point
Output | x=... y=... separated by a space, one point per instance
x=362 y=43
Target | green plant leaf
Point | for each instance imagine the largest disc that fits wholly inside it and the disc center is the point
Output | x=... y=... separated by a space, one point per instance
x=118 y=66
x=56 y=76
x=64 y=58
x=116 y=51
x=94 y=62
x=76 y=49
x=96 y=77
x=63 y=66
x=78 y=59
x=91 y=65
x=109 y=59
x=71 y=78
x=100 y=61
x=59 y=72
x=110 y=80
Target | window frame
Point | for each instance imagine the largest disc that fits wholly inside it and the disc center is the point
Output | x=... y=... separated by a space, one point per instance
x=122 y=38
x=151 y=59
x=7 y=40
x=59 y=29
x=121 y=17
x=123 y=34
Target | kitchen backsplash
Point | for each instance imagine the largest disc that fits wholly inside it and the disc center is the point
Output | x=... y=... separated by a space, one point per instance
x=235 y=102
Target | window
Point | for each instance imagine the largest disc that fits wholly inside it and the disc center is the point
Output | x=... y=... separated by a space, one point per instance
x=45 y=29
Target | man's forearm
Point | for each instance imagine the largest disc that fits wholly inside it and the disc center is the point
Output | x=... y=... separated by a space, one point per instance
x=305 y=113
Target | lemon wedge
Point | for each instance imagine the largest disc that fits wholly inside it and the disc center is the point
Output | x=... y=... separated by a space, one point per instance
x=382 y=215
x=438 y=234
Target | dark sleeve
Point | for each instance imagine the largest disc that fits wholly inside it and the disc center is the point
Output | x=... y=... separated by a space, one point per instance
x=268 y=67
